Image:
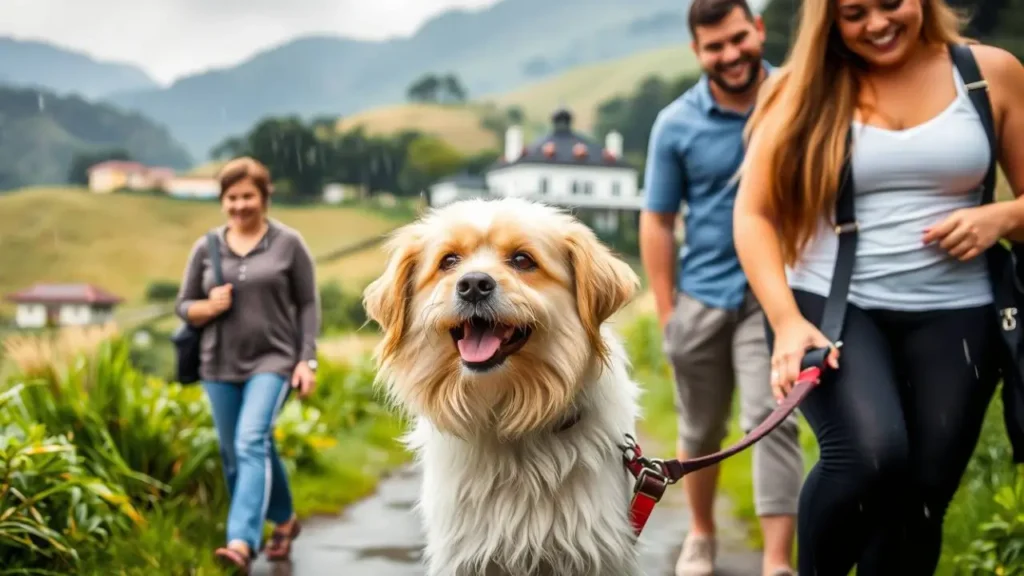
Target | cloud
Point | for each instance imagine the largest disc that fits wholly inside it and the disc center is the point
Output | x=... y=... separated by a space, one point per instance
x=171 y=38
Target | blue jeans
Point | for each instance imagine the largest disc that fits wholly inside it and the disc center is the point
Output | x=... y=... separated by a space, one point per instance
x=244 y=414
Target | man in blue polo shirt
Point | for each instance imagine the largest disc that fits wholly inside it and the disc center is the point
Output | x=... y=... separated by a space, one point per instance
x=714 y=331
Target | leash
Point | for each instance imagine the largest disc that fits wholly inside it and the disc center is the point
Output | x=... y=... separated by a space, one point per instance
x=654 y=475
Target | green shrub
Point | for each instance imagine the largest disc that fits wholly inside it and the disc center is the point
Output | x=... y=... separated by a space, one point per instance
x=340 y=311
x=92 y=450
x=49 y=505
x=162 y=290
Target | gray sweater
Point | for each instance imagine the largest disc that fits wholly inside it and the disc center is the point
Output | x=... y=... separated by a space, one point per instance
x=275 y=312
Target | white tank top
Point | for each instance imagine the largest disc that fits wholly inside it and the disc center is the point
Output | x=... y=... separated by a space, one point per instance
x=906 y=181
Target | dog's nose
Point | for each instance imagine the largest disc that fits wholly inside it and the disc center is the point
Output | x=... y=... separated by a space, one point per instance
x=475 y=286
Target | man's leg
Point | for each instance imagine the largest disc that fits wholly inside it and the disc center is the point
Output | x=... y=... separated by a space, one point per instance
x=698 y=344
x=777 y=459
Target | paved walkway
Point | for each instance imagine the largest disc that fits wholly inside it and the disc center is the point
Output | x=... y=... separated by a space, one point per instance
x=380 y=536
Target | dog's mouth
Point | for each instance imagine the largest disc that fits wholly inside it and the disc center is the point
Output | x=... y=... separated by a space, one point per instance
x=484 y=344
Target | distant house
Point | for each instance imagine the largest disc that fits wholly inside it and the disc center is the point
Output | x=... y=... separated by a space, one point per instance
x=563 y=168
x=196 y=187
x=49 y=305
x=115 y=175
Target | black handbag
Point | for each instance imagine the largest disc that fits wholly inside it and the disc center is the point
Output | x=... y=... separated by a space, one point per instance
x=1004 y=267
x=187 y=339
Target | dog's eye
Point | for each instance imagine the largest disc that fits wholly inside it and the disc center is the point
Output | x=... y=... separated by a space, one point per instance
x=449 y=261
x=522 y=261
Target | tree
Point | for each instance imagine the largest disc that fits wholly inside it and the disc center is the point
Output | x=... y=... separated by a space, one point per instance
x=429 y=159
x=453 y=89
x=425 y=89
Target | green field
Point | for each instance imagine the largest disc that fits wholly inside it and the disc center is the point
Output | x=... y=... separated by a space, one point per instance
x=122 y=242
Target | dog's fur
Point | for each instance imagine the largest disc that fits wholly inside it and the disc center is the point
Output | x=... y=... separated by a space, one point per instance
x=507 y=490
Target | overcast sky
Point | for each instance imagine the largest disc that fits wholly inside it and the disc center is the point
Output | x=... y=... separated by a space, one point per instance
x=171 y=38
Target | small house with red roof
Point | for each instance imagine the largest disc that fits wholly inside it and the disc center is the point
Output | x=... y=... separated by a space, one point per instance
x=50 y=305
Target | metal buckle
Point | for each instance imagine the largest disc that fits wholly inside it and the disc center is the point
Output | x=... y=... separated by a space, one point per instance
x=975 y=85
x=651 y=483
x=846 y=227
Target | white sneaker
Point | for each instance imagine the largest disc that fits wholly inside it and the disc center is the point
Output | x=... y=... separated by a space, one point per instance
x=697 y=557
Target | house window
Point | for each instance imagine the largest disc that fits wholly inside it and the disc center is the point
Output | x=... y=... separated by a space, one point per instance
x=575 y=187
x=588 y=188
x=543 y=185
x=616 y=188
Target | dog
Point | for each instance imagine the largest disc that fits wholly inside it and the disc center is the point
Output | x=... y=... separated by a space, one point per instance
x=495 y=345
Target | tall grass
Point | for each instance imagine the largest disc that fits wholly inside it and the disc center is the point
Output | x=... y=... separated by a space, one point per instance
x=103 y=465
x=984 y=526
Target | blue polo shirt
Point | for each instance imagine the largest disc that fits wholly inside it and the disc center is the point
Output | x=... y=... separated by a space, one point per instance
x=695 y=149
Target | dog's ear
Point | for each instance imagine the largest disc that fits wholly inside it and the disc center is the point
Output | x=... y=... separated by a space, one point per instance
x=386 y=299
x=604 y=283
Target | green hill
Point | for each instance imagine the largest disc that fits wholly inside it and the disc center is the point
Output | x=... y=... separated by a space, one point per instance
x=582 y=89
x=40 y=134
x=123 y=242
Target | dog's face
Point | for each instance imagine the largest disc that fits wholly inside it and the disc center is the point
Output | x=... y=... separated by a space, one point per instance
x=491 y=312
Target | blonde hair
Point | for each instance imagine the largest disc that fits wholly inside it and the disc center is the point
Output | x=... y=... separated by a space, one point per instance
x=803 y=115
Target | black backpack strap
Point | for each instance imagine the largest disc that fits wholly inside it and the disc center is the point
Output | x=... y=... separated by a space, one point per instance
x=977 y=90
x=846 y=229
x=834 y=315
x=213 y=247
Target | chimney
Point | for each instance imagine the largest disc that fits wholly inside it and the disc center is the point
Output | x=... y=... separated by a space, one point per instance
x=513 y=143
x=613 y=144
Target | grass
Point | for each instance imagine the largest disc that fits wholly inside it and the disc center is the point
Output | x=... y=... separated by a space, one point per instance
x=458 y=125
x=122 y=242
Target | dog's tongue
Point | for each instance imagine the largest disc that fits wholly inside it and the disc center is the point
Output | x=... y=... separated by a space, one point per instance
x=480 y=343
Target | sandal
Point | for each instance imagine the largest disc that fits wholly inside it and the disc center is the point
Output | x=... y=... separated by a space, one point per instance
x=280 y=546
x=234 y=558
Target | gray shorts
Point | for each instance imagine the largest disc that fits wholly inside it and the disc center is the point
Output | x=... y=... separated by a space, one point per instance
x=713 y=351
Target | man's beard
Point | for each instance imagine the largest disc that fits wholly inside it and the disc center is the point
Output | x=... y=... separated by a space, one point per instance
x=752 y=63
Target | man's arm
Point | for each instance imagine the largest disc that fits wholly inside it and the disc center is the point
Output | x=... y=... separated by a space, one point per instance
x=664 y=183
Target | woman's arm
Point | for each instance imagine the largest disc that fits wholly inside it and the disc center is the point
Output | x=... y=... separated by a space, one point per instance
x=307 y=298
x=1005 y=76
x=191 y=304
x=757 y=240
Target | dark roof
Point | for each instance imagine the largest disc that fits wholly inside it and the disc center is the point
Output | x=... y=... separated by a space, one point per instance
x=561 y=145
x=64 y=294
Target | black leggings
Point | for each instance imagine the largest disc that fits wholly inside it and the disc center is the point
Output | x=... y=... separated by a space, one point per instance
x=896 y=426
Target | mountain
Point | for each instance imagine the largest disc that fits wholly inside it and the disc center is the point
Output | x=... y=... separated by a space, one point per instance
x=30 y=64
x=41 y=133
x=491 y=50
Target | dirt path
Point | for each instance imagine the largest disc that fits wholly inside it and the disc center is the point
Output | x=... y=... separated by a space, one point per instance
x=380 y=536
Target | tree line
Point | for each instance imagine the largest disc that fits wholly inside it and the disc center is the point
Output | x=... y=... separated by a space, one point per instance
x=304 y=156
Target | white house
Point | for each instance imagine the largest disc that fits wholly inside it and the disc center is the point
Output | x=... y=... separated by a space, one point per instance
x=563 y=168
x=48 y=305
x=196 y=187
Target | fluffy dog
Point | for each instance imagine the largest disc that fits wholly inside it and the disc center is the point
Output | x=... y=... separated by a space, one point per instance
x=492 y=313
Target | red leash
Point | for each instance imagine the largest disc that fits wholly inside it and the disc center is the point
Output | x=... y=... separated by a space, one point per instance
x=654 y=475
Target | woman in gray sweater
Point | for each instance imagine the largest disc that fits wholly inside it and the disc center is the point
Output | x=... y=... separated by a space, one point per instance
x=261 y=343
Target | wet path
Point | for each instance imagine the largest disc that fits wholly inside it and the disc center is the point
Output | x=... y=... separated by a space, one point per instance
x=380 y=536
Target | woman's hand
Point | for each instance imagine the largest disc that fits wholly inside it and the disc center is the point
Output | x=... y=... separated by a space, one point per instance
x=968 y=232
x=220 y=299
x=793 y=339
x=303 y=379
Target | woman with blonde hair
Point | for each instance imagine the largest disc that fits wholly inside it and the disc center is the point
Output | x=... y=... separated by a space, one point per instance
x=899 y=415
x=263 y=321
